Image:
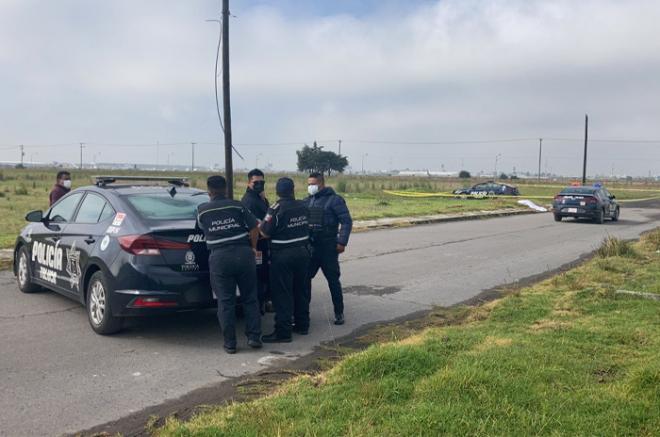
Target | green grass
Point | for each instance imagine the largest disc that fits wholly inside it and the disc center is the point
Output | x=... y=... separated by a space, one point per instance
x=23 y=190
x=562 y=357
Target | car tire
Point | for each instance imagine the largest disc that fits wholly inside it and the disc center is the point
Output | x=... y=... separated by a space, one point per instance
x=615 y=216
x=99 y=312
x=24 y=272
x=600 y=217
x=558 y=218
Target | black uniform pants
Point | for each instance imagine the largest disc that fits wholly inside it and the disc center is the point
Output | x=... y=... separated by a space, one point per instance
x=231 y=266
x=288 y=276
x=326 y=258
x=263 y=275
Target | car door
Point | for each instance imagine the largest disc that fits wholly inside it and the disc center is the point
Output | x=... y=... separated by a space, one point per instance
x=479 y=189
x=82 y=236
x=46 y=253
x=609 y=201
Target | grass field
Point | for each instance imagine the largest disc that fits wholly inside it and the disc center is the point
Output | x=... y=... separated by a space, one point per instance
x=566 y=356
x=22 y=190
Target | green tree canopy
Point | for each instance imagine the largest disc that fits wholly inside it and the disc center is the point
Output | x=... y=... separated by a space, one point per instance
x=315 y=159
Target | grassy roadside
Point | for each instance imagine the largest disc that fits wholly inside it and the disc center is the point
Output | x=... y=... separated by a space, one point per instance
x=564 y=356
x=23 y=190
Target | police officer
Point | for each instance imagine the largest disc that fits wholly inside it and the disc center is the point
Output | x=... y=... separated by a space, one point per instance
x=231 y=236
x=288 y=228
x=330 y=225
x=256 y=202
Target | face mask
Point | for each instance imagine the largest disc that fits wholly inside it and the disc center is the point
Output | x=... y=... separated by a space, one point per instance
x=258 y=186
x=66 y=184
x=312 y=189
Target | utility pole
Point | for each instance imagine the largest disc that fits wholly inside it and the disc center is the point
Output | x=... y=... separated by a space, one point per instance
x=497 y=157
x=584 y=164
x=82 y=145
x=339 y=152
x=192 y=167
x=229 y=169
x=540 y=152
x=22 y=154
x=157 y=153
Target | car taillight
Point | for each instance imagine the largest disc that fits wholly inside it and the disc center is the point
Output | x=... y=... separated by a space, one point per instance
x=590 y=200
x=148 y=245
x=152 y=302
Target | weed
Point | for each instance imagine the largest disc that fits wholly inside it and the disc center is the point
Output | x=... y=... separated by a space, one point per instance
x=612 y=246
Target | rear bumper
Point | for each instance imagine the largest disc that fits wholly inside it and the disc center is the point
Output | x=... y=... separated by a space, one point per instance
x=580 y=212
x=137 y=303
x=147 y=289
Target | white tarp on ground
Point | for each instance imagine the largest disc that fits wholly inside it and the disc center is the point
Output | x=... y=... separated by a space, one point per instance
x=532 y=205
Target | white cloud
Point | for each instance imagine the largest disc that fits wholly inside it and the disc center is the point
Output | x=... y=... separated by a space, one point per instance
x=451 y=69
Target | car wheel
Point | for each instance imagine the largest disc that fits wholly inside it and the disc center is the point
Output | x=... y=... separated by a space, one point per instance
x=615 y=216
x=24 y=273
x=600 y=217
x=99 y=311
x=558 y=218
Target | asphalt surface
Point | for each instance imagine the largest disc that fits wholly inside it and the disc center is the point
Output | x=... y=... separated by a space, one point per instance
x=57 y=376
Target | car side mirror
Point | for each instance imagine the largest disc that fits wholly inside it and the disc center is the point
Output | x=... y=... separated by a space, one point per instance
x=35 y=216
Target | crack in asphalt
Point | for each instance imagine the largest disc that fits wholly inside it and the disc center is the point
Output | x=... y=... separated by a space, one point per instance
x=43 y=313
x=444 y=243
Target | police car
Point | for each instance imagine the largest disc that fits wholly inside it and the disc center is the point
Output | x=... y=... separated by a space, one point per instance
x=592 y=202
x=123 y=247
x=489 y=188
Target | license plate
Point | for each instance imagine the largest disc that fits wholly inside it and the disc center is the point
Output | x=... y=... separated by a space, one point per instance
x=572 y=210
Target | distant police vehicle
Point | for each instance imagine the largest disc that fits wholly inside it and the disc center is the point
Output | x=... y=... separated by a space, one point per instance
x=593 y=202
x=490 y=188
x=123 y=247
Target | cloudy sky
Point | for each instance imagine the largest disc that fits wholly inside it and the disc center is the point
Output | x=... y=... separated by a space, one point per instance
x=403 y=83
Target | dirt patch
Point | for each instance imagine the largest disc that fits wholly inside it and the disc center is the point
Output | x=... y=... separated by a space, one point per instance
x=376 y=290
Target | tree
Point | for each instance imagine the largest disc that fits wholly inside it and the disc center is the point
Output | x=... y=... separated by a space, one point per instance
x=504 y=176
x=315 y=159
x=464 y=174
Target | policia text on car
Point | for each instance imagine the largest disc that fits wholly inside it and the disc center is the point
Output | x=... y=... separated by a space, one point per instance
x=231 y=236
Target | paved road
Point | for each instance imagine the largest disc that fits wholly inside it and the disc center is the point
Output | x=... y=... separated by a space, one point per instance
x=57 y=376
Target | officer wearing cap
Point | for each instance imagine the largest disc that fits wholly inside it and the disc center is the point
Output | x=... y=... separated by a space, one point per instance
x=231 y=236
x=288 y=228
x=256 y=202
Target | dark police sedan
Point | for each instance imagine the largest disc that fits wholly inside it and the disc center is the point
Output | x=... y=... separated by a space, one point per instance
x=489 y=188
x=595 y=203
x=123 y=247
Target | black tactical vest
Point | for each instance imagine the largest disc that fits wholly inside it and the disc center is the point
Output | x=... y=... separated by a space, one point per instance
x=290 y=223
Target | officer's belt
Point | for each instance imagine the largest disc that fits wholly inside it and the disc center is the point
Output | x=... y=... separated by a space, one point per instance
x=224 y=240
x=294 y=240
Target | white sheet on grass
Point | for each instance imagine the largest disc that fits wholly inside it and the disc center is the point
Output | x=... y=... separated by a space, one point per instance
x=532 y=205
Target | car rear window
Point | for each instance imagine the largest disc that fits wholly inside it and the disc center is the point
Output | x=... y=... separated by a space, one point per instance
x=162 y=206
x=578 y=190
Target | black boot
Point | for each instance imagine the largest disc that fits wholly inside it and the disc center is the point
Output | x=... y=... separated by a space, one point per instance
x=276 y=337
x=300 y=330
x=339 y=319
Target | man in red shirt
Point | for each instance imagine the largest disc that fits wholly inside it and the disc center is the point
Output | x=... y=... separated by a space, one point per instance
x=61 y=187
